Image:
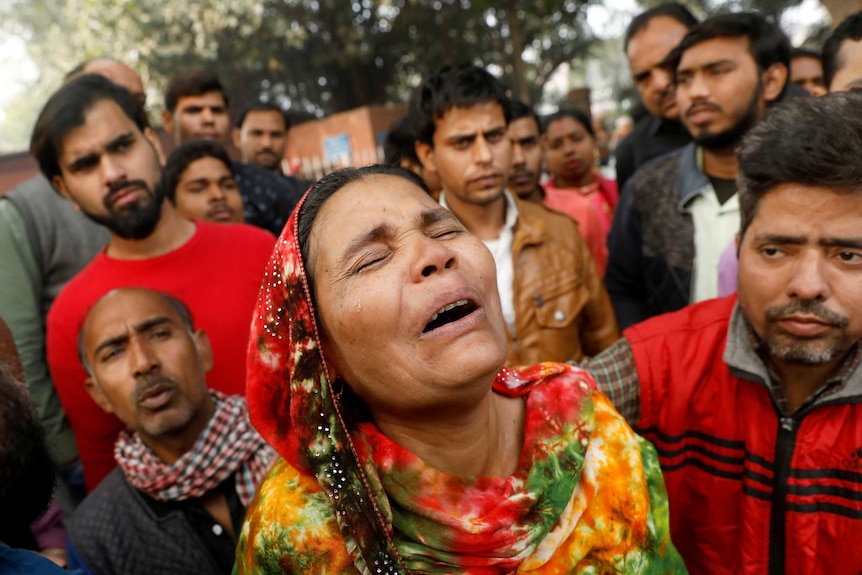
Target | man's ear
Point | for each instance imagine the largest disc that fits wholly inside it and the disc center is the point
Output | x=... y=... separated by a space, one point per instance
x=98 y=395
x=773 y=79
x=236 y=135
x=60 y=185
x=425 y=153
x=153 y=138
x=205 y=350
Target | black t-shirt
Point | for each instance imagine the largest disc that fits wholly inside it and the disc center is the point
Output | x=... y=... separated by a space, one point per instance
x=724 y=189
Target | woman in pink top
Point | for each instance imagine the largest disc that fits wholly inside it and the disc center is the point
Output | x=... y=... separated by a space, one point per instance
x=576 y=188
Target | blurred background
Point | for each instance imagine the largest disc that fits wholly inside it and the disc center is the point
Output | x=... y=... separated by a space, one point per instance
x=318 y=58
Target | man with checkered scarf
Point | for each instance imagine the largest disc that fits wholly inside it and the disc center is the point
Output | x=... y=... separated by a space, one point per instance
x=189 y=461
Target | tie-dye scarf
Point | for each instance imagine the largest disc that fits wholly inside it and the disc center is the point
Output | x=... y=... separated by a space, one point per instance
x=587 y=497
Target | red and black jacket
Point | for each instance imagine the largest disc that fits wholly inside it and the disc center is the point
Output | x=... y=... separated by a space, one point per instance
x=751 y=490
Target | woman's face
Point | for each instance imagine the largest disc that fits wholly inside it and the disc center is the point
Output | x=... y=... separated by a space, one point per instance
x=407 y=298
x=569 y=151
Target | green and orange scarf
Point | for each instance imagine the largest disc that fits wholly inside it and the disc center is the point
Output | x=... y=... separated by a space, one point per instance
x=588 y=495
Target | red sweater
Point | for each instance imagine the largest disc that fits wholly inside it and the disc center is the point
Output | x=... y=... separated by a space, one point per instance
x=217 y=274
x=750 y=490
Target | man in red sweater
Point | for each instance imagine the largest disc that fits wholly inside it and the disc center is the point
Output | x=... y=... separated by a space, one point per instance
x=754 y=403
x=90 y=143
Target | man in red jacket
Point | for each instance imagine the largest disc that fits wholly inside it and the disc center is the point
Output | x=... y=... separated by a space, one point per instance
x=755 y=404
x=91 y=145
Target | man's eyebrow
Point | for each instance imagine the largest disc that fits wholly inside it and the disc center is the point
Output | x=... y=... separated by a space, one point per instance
x=201 y=180
x=124 y=138
x=780 y=239
x=142 y=327
x=855 y=243
x=90 y=158
x=456 y=137
x=705 y=66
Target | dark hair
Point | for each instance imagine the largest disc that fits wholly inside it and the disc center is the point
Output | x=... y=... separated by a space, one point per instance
x=768 y=45
x=193 y=82
x=324 y=189
x=184 y=155
x=572 y=113
x=261 y=107
x=178 y=306
x=673 y=10
x=849 y=29
x=461 y=86
x=26 y=470
x=400 y=142
x=79 y=69
x=66 y=110
x=807 y=141
x=803 y=53
x=519 y=109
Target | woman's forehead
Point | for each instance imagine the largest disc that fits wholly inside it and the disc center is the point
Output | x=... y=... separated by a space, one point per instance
x=378 y=195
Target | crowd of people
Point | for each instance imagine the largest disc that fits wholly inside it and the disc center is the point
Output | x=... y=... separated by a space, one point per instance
x=484 y=355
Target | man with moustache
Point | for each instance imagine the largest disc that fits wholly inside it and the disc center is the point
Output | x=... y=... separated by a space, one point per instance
x=527 y=153
x=189 y=461
x=44 y=242
x=554 y=304
x=754 y=402
x=649 y=38
x=681 y=211
x=91 y=144
x=260 y=134
x=196 y=107
x=806 y=71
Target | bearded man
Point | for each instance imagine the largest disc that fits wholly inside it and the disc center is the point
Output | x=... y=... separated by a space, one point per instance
x=91 y=145
x=683 y=208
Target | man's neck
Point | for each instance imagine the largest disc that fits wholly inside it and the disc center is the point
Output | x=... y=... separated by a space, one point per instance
x=171 y=446
x=482 y=220
x=537 y=195
x=799 y=382
x=721 y=162
x=170 y=233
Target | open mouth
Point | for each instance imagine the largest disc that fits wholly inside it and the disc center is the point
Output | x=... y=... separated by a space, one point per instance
x=450 y=313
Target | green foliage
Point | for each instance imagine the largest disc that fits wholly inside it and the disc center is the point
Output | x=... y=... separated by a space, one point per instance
x=317 y=56
x=703 y=8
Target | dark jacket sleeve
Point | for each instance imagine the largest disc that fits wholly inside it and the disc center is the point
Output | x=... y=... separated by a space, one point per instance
x=625 y=161
x=624 y=276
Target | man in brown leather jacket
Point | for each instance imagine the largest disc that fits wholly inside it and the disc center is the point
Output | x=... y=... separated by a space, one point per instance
x=554 y=303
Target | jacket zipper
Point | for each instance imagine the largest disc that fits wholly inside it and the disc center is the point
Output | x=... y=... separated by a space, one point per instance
x=784 y=445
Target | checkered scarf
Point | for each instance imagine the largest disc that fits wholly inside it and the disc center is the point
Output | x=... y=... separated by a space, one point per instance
x=229 y=445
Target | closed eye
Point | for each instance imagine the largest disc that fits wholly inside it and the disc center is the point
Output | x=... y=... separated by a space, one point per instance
x=368 y=263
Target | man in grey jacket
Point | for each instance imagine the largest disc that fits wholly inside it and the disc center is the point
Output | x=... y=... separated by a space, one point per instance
x=45 y=242
x=680 y=212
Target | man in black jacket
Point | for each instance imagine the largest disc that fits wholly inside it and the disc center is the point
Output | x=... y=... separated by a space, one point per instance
x=680 y=212
x=188 y=463
x=648 y=40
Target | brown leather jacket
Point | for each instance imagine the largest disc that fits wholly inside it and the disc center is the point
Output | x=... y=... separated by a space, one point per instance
x=562 y=311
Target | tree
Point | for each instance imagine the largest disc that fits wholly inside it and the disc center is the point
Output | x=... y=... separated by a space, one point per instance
x=318 y=56
x=702 y=8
